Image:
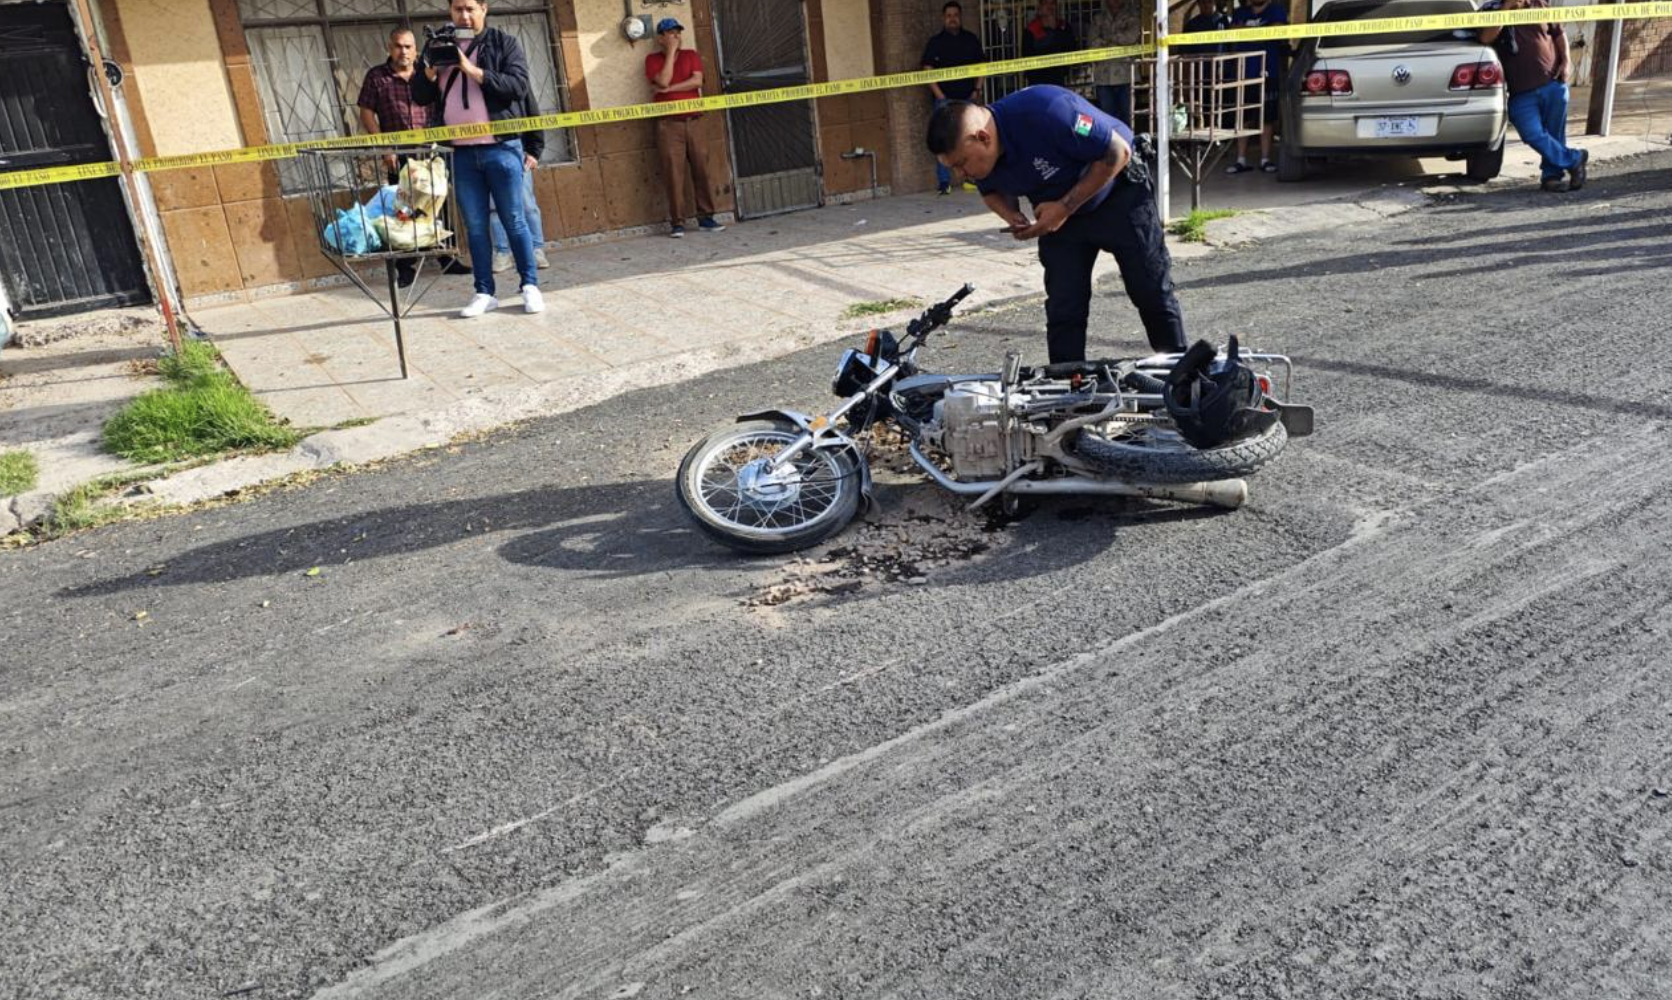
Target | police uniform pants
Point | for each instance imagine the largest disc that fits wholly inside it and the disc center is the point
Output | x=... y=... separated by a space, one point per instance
x=1128 y=226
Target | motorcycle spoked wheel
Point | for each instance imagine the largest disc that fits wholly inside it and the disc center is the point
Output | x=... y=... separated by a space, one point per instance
x=726 y=487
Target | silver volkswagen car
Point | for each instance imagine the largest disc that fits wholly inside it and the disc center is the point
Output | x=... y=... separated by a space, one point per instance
x=1429 y=93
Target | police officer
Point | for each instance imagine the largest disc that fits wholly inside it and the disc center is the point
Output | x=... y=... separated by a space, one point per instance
x=1089 y=194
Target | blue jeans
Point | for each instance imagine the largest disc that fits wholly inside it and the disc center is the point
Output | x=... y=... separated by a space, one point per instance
x=531 y=212
x=943 y=175
x=1540 y=119
x=481 y=173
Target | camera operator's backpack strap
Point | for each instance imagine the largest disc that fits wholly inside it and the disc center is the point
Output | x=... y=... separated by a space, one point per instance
x=476 y=43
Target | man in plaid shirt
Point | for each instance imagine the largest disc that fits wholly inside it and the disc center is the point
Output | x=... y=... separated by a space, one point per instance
x=386 y=103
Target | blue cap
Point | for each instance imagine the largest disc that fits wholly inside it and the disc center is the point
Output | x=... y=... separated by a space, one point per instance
x=668 y=24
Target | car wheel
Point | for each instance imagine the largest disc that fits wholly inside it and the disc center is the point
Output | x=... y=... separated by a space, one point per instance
x=1485 y=165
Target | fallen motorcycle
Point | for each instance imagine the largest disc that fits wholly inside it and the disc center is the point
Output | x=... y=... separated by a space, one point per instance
x=1179 y=427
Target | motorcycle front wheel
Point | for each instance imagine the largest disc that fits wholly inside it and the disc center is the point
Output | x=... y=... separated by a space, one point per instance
x=727 y=485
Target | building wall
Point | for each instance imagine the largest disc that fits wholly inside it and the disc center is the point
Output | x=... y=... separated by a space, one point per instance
x=899 y=30
x=1645 y=49
x=847 y=38
x=840 y=44
x=175 y=59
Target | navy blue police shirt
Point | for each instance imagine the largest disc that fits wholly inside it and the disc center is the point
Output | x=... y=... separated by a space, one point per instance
x=1048 y=136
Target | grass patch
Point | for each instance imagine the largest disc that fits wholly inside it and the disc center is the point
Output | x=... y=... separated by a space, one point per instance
x=18 y=472
x=84 y=506
x=202 y=411
x=859 y=309
x=1193 y=228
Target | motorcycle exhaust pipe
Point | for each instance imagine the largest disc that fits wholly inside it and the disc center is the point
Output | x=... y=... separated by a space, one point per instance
x=1227 y=493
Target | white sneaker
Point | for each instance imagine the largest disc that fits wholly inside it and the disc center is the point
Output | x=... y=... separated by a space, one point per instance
x=482 y=303
x=503 y=261
x=533 y=302
x=540 y=260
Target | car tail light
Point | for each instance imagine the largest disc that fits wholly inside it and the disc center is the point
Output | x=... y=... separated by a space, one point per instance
x=1328 y=83
x=1477 y=76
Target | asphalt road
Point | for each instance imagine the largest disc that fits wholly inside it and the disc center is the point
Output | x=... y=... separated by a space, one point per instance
x=1401 y=727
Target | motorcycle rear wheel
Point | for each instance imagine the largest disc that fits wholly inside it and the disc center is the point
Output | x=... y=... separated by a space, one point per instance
x=726 y=486
x=1161 y=457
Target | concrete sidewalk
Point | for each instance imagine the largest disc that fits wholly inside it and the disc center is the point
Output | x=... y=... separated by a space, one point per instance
x=754 y=290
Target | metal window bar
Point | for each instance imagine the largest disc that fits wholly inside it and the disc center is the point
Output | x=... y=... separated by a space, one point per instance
x=1001 y=23
x=1216 y=101
x=342 y=183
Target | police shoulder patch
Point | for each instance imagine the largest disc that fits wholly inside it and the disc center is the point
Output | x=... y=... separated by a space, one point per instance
x=1082 y=125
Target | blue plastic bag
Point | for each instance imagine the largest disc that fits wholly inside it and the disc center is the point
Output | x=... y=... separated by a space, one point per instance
x=383 y=203
x=352 y=233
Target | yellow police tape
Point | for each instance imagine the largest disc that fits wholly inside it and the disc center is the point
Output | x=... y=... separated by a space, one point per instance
x=836 y=88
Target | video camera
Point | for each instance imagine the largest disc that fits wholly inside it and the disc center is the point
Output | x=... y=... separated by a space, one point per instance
x=441 y=45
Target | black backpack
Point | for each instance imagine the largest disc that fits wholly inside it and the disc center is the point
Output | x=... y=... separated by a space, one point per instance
x=1215 y=403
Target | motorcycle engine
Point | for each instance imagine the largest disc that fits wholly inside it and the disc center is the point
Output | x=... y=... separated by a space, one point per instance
x=971 y=430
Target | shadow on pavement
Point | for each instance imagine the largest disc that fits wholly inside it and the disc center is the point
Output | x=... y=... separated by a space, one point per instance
x=584 y=527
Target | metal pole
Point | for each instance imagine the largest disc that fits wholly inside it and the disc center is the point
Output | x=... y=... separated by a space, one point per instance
x=1162 y=111
x=1613 y=78
x=395 y=313
x=159 y=280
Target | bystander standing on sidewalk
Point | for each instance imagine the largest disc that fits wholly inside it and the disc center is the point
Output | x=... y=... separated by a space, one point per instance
x=1047 y=35
x=484 y=79
x=1261 y=14
x=1536 y=67
x=675 y=74
x=1118 y=22
x=534 y=144
x=953 y=46
x=1207 y=17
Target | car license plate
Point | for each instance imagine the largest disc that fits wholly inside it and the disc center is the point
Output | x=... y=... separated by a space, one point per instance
x=1394 y=128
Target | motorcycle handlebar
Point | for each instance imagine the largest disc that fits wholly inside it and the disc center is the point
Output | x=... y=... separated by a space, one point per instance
x=940 y=314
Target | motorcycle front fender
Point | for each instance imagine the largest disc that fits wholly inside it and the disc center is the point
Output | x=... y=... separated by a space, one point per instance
x=830 y=437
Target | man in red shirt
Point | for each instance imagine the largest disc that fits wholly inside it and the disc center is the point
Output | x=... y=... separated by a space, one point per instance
x=675 y=74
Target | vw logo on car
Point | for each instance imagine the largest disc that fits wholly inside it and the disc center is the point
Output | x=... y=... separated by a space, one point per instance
x=1402 y=74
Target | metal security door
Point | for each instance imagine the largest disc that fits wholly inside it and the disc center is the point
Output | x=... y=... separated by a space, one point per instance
x=64 y=248
x=775 y=154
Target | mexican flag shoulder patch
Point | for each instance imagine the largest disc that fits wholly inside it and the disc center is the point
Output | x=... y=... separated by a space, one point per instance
x=1082 y=125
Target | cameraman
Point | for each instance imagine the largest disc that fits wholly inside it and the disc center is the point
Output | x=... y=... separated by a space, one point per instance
x=483 y=78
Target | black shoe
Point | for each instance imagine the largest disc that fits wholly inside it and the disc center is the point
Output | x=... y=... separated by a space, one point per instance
x=1578 y=172
x=405 y=275
x=944 y=189
x=1553 y=184
x=453 y=265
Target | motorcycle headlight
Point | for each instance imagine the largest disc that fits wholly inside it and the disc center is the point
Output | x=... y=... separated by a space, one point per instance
x=853 y=372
